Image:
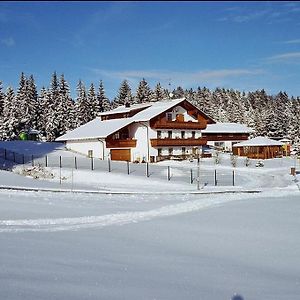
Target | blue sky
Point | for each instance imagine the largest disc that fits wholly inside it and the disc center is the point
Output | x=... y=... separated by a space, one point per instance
x=240 y=45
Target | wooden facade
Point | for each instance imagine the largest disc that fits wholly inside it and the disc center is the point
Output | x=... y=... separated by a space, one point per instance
x=120 y=154
x=177 y=142
x=259 y=152
x=127 y=143
x=225 y=136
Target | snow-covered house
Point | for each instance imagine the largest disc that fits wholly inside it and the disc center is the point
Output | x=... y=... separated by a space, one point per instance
x=259 y=147
x=225 y=135
x=143 y=132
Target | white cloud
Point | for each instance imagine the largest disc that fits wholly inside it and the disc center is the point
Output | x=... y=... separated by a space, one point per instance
x=285 y=57
x=296 y=41
x=8 y=42
x=188 y=78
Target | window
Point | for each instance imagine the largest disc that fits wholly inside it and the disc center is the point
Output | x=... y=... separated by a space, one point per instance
x=159 y=134
x=182 y=134
x=159 y=151
x=220 y=144
x=170 y=151
x=116 y=136
x=193 y=134
x=183 y=150
x=169 y=116
x=90 y=153
x=170 y=134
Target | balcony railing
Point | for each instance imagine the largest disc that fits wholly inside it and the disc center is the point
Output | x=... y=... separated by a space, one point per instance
x=225 y=137
x=178 y=142
x=199 y=125
x=131 y=143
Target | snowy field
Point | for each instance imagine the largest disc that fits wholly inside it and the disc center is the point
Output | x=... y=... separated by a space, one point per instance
x=138 y=237
x=74 y=246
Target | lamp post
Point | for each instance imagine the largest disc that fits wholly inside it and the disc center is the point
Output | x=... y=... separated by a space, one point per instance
x=198 y=171
x=148 y=147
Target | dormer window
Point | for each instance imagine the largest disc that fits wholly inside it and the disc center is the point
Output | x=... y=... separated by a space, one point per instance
x=169 y=116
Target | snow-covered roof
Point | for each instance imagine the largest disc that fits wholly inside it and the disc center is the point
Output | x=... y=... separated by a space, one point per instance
x=152 y=109
x=258 y=141
x=155 y=109
x=227 y=128
x=124 y=109
x=95 y=129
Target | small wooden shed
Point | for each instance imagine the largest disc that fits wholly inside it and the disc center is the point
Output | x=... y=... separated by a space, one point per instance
x=259 y=147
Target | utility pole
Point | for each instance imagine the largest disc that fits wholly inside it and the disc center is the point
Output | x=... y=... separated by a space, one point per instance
x=198 y=172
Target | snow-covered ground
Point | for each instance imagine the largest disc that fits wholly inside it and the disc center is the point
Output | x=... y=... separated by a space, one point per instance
x=146 y=237
x=74 y=246
x=275 y=174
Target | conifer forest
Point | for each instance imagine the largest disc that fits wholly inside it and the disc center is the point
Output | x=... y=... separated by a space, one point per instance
x=53 y=111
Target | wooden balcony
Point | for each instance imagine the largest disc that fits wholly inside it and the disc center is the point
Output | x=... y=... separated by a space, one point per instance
x=128 y=143
x=225 y=137
x=177 y=142
x=162 y=124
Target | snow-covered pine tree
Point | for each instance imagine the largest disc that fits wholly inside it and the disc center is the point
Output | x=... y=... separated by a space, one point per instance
x=102 y=100
x=143 y=92
x=178 y=92
x=10 y=118
x=65 y=107
x=158 y=93
x=41 y=122
x=82 y=105
x=2 y=95
x=31 y=105
x=124 y=95
x=51 y=106
x=92 y=102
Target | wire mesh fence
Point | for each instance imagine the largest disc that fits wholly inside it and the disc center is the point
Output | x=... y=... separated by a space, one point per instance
x=174 y=174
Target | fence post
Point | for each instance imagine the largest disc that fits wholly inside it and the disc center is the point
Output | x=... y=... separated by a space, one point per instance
x=215 y=177
x=32 y=160
x=233 y=177
x=23 y=159
x=60 y=161
x=128 y=170
x=109 y=166
x=92 y=163
x=191 y=176
x=75 y=162
x=169 y=176
x=14 y=154
x=5 y=154
x=46 y=161
x=147 y=169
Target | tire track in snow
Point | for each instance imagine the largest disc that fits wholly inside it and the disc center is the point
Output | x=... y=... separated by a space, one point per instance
x=76 y=223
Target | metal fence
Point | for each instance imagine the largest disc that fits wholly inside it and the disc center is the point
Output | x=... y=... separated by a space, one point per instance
x=175 y=174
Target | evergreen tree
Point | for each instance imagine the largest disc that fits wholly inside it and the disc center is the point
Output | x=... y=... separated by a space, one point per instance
x=104 y=104
x=10 y=120
x=2 y=96
x=124 y=95
x=65 y=107
x=92 y=102
x=143 y=93
x=158 y=93
x=82 y=105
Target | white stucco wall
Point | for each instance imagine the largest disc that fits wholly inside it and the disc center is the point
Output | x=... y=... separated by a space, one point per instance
x=139 y=132
x=227 y=144
x=178 y=150
x=83 y=146
x=177 y=133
